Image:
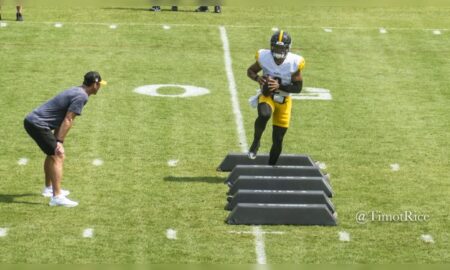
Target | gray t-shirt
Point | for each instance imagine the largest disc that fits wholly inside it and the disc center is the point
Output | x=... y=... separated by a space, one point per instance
x=51 y=114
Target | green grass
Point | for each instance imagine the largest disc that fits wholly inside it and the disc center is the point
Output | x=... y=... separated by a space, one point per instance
x=391 y=104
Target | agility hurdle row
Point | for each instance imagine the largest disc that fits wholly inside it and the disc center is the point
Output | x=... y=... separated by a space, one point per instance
x=294 y=192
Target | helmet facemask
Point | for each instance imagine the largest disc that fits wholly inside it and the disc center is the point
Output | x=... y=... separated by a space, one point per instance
x=280 y=50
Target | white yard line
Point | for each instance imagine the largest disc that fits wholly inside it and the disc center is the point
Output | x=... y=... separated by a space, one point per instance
x=233 y=90
x=260 y=248
x=257 y=232
x=245 y=26
x=97 y=162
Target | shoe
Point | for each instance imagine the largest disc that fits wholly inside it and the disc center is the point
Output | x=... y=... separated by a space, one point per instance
x=19 y=17
x=202 y=9
x=217 y=9
x=253 y=150
x=62 y=201
x=48 y=192
x=155 y=8
x=174 y=8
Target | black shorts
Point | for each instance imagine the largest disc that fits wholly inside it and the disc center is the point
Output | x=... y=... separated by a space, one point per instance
x=43 y=137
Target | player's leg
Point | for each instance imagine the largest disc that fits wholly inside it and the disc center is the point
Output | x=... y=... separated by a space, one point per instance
x=264 y=114
x=277 y=144
x=281 y=120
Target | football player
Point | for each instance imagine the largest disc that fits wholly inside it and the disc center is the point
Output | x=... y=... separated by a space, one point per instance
x=281 y=76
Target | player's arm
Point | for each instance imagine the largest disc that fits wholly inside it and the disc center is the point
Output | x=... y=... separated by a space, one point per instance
x=252 y=73
x=66 y=124
x=296 y=84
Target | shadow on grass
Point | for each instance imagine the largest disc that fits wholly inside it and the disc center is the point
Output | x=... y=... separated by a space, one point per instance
x=201 y=179
x=11 y=198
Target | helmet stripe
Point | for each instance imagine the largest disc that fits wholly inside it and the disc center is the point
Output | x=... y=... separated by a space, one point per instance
x=280 y=37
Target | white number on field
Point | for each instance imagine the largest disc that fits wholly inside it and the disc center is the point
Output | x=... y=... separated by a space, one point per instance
x=313 y=93
x=186 y=90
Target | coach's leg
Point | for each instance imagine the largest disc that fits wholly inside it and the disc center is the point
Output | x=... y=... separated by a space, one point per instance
x=47 y=167
x=264 y=114
x=277 y=144
x=54 y=172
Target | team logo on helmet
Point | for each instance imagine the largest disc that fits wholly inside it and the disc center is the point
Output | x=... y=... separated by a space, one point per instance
x=280 y=44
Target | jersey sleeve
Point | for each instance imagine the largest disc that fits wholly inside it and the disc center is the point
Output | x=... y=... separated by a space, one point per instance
x=301 y=64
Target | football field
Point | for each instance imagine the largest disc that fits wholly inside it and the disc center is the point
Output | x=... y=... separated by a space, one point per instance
x=143 y=165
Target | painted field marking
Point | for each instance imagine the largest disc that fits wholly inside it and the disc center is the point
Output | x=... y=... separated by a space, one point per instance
x=321 y=165
x=233 y=90
x=171 y=234
x=97 y=162
x=23 y=161
x=437 y=32
x=3 y=232
x=189 y=90
x=58 y=25
x=166 y=27
x=383 y=31
x=260 y=248
x=113 y=26
x=313 y=93
x=3 y=24
x=395 y=167
x=427 y=238
x=244 y=26
x=172 y=162
x=274 y=29
x=88 y=233
x=344 y=236
x=328 y=30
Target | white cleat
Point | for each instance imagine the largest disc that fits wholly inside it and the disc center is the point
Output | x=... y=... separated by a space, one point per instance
x=251 y=155
x=62 y=201
x=48 y=192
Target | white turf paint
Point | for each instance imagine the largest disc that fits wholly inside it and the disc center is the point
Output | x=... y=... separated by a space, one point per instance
x=427 y=238
x=58 y=25
x=3 y=232
x=172 y=162
x=23 y=161
x=3 y=24
x=437 y=32
x=88 y=233
x=248 y=26
x=263 y=232
x=383 y=31
x=274 y=29
x=233 y=90
x=395 y=167
x=259 y=245
x=344 y=236
x=259 y=239
x=113 y=26
x=321 y=165
x=171 y=234
x=189 y=90
x=328 y=30
x=97 y=162
x=166 y=27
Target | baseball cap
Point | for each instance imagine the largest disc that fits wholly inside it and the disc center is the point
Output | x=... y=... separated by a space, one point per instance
x=93 y=77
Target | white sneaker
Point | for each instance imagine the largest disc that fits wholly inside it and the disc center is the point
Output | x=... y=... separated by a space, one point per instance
x=48 y=192
x=251 y=155
x=62 y=201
